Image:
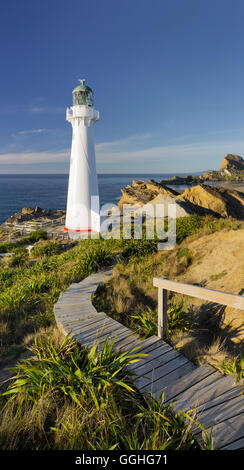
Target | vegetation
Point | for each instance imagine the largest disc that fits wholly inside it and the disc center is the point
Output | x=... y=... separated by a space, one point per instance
x=41 y=250
x=33 y=237
x=67 y=397
x=233 y=367
x=130 y=297
x=146 y=323
x=28 y=292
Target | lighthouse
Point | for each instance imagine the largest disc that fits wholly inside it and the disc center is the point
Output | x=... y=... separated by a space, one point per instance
x=82 y=213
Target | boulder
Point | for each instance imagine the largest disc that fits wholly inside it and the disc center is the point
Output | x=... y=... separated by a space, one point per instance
x=28 y=210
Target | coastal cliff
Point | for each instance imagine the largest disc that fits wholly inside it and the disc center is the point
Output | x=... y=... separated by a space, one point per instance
x=201 y=199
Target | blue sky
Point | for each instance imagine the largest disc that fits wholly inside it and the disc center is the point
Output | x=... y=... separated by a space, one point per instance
x=168 y=78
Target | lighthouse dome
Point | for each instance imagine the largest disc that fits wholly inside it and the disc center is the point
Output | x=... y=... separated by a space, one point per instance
x=82 y=94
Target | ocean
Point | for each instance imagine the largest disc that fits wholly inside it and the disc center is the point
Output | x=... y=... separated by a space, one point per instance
x=49 y=191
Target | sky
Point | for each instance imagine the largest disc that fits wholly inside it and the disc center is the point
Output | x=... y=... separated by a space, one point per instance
x=167 y=75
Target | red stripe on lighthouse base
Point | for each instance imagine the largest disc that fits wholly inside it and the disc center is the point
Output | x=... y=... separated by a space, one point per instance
x=77 y=230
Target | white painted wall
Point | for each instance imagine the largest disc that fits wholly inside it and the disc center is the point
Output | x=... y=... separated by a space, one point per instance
x=82 y=176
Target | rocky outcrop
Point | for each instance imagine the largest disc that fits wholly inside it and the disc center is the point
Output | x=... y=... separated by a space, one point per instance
x=218 y=201
x=232 y=162
x=202 y=199
x=231 y=169
x=179 y=180
x=141 y=192
x=32 y=213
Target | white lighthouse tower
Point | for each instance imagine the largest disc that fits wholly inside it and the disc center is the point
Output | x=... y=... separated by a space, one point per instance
x=82 y=214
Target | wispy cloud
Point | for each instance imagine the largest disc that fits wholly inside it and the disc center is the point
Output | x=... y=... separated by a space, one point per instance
x=24 y=158
x=130 y=141
x=120 y=155
x=193 y=151
x=36 y=106
x=32 y=131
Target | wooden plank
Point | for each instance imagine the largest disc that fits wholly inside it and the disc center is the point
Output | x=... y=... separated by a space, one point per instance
x=153 y=354
x=75 y=313
x=155 y=345
x=79 y=321
x=159 y=386
x=161 y=371
x=233 y=392
x=112 y=336
x=151 y=363
x=223 y=298
x=96 y=333
x=236 y=445
x=226 y=432
x=205 y=391
x=194 y=377
x=92 y=325
x=88 y=340
x=115 y=335
x=143 y=342
x=74 y=309
x=221 y=412
x=94 y=330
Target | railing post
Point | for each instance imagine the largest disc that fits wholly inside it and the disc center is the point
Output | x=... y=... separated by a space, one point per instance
x=162 y=313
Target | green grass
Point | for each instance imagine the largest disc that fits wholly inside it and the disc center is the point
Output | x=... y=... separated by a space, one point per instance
x=146 y=324
x=33 y=237
x=41 y=250
x=69 y=397
x=216 y=277
x=28 y=293
x=233 y=367
x=138 y=248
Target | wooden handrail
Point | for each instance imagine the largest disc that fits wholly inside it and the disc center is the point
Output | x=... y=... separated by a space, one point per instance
x=164 y=285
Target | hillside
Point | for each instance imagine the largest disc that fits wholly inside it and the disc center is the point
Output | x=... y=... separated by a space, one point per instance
x=211 y=258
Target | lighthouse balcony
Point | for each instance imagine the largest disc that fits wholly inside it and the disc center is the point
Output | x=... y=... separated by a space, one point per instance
x=69 y=114
x=82 y=111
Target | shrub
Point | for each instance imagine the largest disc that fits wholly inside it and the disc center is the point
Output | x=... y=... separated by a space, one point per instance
x=187 y=226
x=21 y=258
x=177 y=318
x=46 y=249
x=146 y=324
x=97 y=257
x=138 y=248
x=35 y=236
x=7 y=247
x=67 y=397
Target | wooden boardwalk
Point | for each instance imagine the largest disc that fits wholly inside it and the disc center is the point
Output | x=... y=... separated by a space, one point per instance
x=217 y=400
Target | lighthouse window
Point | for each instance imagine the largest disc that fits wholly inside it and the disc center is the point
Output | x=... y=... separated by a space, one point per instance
x=90 y=99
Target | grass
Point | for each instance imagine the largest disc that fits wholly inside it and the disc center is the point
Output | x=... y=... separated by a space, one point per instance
x=28 y=292
x=146 y=324
x=68 y=397
x=235 y=366
x=216 y=277
x=130 y=297
x=42 y=250
x=33 y=237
